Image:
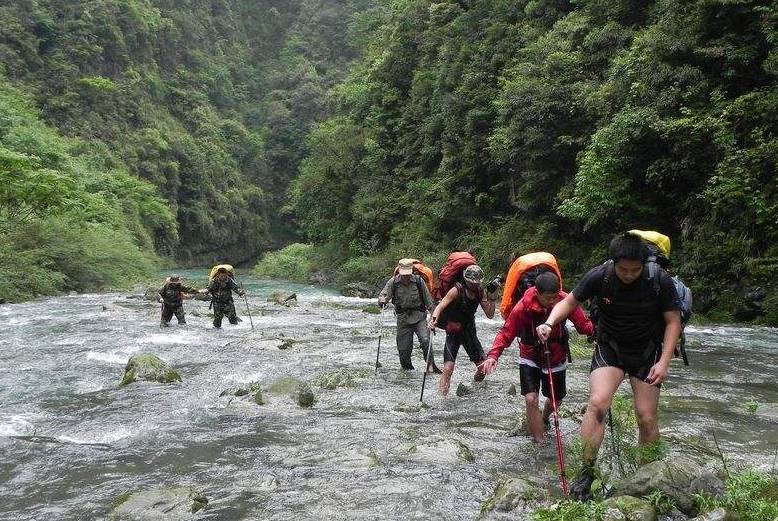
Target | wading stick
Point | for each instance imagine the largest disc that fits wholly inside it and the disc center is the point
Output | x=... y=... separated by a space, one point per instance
x=426 y=365
x=246 y=299
x=560 y=451
x=380 y=333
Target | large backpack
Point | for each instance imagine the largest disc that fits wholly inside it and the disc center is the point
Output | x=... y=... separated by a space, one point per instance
x=521 y=276
x=216 y=268
x=451 y=273
x=422 y=271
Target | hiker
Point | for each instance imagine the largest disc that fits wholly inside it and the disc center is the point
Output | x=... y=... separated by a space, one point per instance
x=221 y=287
x=527 y=314
x=171 y=296
x=409 y=293
x=637 y=330
x=459 y=306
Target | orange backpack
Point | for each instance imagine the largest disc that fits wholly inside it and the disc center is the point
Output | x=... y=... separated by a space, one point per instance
x=451 y=272
x=522 y=275
x=421 y=270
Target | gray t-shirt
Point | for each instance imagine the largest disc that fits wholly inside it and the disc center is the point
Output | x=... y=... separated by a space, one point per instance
x=410 y=304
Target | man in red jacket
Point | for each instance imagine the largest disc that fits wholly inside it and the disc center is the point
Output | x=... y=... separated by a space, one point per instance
x=532 y=310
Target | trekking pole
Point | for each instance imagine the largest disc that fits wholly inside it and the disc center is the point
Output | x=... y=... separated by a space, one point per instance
x=246 y=299
x=614 y=442
x=560 y=451
x=682 y=348
x=380 y=334
x=427 y=364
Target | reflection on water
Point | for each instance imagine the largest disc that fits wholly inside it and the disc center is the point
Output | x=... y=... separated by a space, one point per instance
x=72 y=441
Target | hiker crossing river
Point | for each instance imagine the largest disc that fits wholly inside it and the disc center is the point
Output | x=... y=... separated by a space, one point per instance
x=73 y=442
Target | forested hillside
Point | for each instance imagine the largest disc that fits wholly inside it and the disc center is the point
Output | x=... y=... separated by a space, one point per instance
x=506 y=126
x=168 y=127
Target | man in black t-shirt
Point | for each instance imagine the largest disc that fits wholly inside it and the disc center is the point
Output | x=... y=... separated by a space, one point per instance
x=637 y=329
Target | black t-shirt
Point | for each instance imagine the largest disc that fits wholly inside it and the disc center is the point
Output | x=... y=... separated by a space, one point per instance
x=632 y=314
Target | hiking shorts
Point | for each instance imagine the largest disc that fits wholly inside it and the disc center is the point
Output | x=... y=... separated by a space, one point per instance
x=468 y=338
x=637 y=367
x=532 y=379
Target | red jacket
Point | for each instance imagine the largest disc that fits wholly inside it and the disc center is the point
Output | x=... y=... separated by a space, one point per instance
x=525 y=316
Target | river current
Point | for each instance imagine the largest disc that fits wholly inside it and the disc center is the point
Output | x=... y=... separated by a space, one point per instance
x=72 y=441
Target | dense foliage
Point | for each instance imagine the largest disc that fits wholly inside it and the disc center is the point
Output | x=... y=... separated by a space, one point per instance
x=202 y=107
x=507 y=126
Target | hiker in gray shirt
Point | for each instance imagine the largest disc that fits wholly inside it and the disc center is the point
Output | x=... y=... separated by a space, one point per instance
x=411 y=298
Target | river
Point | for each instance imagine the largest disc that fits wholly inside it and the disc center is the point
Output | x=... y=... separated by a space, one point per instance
x=71 y=441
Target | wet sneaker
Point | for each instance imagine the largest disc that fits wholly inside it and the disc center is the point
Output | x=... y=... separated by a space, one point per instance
x=433 y=369
x=479 y=375
x=581 y=489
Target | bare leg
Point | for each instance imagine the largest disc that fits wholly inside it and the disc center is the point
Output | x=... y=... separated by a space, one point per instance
x=534 y=419
x=646 y=397
x=603 y=383
x=445 y=379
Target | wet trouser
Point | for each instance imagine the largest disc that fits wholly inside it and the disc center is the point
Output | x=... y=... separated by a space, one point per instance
x=168 y=312
x=468 y=338
x=405 y=341
x=222 y=309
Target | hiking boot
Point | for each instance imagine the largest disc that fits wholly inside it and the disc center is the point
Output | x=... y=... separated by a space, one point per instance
x=479 y=374
x=433 y=369
x=581 y=489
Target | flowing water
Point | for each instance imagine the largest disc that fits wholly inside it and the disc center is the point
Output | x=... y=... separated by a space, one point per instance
x=71 y=441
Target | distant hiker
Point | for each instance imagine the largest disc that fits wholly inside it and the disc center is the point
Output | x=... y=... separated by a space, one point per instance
x=528 y=313
x=637 y=330
x=409 y=292
x=221 y=287
x=456 y=313
x=171 y=296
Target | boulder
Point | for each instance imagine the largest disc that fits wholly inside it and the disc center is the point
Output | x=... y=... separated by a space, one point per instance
x=148 y=366
x=283 y=298
x=372 y=309
x=169 y=504
x=678 y=478
x=719 y=514
x=463 y=389
x=357 y=289
x=510 y=493
x=253 y=390
x=340 y=378
x=633 y=509
x=286 y=343
x=304 y=396
x=442 y=451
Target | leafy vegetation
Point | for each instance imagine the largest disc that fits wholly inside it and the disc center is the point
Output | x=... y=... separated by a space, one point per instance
x=505 y=127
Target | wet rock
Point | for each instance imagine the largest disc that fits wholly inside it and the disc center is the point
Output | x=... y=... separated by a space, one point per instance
x=148 y=366
x=520 y=428
x=512 y=390
x=679 y=479
x=372 y=309
x=442 y=451
x=252 y=390
x=510 y=493
x=283 y=298
x=463 y=389
x=340 y=378
x=264 y=485
x=360 y=459
x=720 y=514
x=284 y=385
x=286 y=343
x=357 y=289
x=632 y=508
x=304 y=396
x=411 y=407
x=177 y=503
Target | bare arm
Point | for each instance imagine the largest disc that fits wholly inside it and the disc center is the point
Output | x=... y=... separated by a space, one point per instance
x=659 y=371
x=450 y=297
x=487 y=305
x=560 y=312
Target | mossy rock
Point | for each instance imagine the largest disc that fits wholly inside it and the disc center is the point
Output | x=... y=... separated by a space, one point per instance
x=304 y=396
x=148 y=366
x=287 y=343
x=176 y=503
x=510 y=493
x=633 y=508
x=463 y=389
x=340 y=378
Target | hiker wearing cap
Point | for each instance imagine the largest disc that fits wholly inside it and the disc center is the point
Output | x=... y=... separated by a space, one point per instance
x=637 y=330
x=529 y=312
x=411 y=299
x=171 y=296
x=221 y=287
x=459 y=306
